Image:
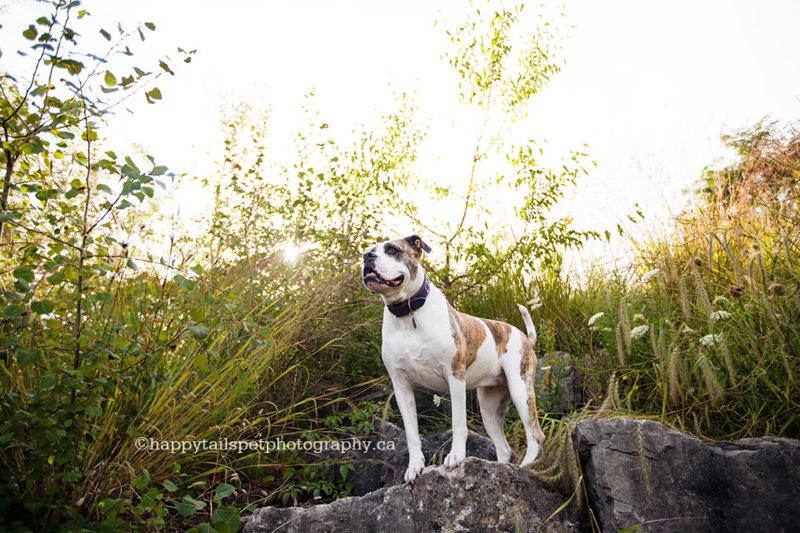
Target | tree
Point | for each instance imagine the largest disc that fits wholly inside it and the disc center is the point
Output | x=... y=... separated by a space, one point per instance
x=62 y=216
x=502 y=63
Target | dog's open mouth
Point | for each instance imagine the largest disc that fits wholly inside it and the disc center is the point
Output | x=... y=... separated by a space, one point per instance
x=370 y=275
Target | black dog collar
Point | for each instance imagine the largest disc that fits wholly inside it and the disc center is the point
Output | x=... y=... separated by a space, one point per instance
x=407 y=307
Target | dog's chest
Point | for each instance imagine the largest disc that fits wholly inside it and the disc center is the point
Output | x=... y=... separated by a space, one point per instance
x=422 y=354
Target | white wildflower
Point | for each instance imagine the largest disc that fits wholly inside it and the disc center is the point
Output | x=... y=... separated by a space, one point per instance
x=651 y=274
x=720 y=315
x=437 y=400
x=710 y=340
x=534 y=303
x=639 y=331
x=594 y=318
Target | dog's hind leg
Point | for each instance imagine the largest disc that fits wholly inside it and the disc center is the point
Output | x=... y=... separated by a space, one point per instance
x=520 y=368
x=493 y=402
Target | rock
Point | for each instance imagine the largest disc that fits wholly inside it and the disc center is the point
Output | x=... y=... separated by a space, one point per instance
x=639 y=471
x=384 y=462
x=558 y=383
x=437 y=445
x=476 y=496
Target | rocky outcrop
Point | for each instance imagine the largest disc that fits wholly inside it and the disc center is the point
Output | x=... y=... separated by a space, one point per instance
x=638 y=471
x=384 y=462
x=476 y=496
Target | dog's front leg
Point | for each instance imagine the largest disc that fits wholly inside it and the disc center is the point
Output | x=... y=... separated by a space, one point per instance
x=458 y=403
x=404 y=393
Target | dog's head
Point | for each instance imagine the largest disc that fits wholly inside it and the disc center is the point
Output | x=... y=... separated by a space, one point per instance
x=391 y=268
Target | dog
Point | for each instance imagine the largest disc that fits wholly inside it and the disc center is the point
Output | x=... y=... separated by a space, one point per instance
x=427 y=342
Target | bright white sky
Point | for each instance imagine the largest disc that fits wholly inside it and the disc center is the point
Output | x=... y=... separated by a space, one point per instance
x=649 y=86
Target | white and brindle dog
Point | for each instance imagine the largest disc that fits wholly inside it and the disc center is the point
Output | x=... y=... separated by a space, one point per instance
x=426 y=341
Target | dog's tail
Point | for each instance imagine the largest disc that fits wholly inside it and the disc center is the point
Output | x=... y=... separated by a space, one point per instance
x=526 y=317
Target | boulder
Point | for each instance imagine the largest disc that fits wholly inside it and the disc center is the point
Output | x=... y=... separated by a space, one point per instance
x=476 y=496
x=558 y=383
x=638 y=471
x=383 y=459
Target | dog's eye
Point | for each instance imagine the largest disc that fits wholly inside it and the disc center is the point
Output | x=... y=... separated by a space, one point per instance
x=392 y=251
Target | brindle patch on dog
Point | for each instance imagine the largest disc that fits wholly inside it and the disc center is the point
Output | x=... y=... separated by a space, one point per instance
x=468 y=334
x=500 y=333
x=402 y=250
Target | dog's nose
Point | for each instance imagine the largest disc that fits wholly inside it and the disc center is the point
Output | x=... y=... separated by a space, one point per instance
x=370 y=256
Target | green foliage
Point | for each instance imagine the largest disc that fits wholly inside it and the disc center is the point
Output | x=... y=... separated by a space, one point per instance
x=502 y=62
x=331 y=202
x=62 y=208
x=259 y=328
x=699 y=333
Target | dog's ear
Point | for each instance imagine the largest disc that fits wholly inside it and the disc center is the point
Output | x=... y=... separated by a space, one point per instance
x=418 y=244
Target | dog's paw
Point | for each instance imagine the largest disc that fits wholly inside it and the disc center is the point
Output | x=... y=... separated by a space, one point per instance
x=530 y=455
x=414 y=469
x=454 y=458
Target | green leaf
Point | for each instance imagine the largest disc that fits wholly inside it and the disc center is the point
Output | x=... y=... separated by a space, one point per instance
x=186 y=509
x=226 y=519
x=197 y=503
x=150 y=26
x=165 y=67
x=141 y=481
x=184 y=283
x=223 y=490
x=56 y=277
x=5 y=217
x=199 y=332
x=132 y=265
x=42 y=307
x=13 y=311
x=170 y=486
x=153 y=95
x=24 y=272
x=30 y=33
x=147 y=500
x=110 y=79
x=72 y=66
x=104 y=188
x=22 y=286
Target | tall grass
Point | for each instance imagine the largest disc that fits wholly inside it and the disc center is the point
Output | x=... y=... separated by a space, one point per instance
x=701 y=332
x=208 y=356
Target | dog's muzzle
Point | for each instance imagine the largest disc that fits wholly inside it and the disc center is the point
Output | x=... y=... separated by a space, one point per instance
x=371 y=275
